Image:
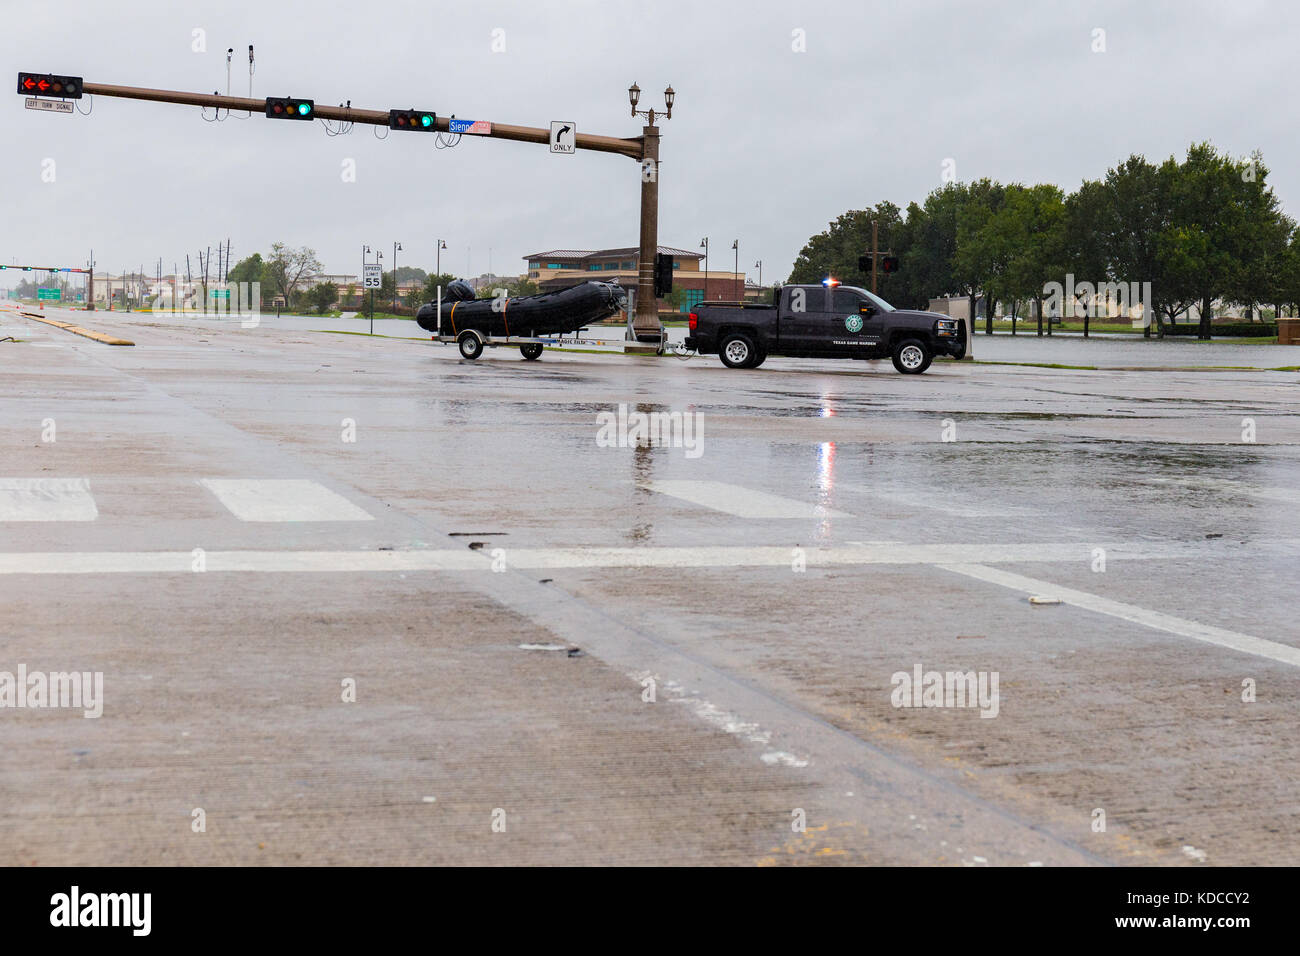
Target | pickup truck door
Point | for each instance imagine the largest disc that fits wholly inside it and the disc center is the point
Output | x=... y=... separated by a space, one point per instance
x=858 y=325
x=806 y=320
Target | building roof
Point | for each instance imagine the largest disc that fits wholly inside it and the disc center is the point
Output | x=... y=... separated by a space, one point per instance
x=604 y=253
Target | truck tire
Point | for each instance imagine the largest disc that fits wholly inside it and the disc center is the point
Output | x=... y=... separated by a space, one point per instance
x=759 y=358
x=912 y=356
x=531 y=351
x=471 y=346
x=736 y=350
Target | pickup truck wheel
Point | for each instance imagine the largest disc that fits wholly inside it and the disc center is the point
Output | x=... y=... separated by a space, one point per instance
x=758 y=359
x=531 y=351
x=736 y=351
x=471 y=346
x=912 y=356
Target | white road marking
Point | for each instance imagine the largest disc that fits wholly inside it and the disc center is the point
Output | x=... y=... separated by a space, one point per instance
x=740 y=501
x=46 y=499
x=1228 y=486
x=135 y=562
x=1233 y=640
x=282 y=499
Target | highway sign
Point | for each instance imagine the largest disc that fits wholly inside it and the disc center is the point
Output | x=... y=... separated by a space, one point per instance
x=49 y=106
x=477 y=127
x=372 y=276
x=563 y=136
x=52 y=295
x=221 y=293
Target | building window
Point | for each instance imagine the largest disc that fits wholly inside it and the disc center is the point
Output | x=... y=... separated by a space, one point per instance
x=535 y=264
x=611 y=265
x=693 y=298
x=554 y=265
x=676 y=264
x=594 y=267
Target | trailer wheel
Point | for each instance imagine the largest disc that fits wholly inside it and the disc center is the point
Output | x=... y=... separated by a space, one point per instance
x=912 y=356
x=471 y=346
x=736 y=351
x=531 y=351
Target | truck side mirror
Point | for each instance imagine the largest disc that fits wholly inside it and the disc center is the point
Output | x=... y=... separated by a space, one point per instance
x=867 y=309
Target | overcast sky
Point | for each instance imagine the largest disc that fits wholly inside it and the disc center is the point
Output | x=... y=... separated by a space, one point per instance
x=766 y=144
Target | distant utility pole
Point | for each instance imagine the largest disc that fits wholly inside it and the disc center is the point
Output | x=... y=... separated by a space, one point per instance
x=874 y=253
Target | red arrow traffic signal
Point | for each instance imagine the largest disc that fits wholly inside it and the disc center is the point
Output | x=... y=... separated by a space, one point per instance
x=52 y=83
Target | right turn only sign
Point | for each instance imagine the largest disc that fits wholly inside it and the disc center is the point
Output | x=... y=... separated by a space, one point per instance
x=563 y=136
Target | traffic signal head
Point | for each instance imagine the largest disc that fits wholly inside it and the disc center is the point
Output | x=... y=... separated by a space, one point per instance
x=423 y=121
x=864 y=263
x=663 y=274
x=889 y=263
x=49 y=84
x=283 y=107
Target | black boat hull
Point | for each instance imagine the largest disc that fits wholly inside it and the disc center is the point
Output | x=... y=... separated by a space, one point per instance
x=549 y=313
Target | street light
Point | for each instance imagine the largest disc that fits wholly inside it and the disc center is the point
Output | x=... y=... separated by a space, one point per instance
x=634 y=97
x=397 y=247
x=704 y=244
x=759 y=266
x=442 y=244
x=646 y=324
x=736 y=269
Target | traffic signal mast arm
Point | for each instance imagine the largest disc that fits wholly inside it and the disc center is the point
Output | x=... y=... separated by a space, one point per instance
x=350 y=114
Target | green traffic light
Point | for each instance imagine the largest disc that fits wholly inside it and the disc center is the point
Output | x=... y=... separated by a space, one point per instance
x=304 y=109
x=426 y=120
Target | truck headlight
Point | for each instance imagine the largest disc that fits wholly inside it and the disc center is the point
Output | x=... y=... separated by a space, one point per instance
x=946 y=326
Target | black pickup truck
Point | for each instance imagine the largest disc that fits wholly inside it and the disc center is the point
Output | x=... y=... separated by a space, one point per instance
x=824 y=321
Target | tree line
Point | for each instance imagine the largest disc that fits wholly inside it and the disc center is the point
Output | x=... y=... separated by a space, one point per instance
x=1205 y=229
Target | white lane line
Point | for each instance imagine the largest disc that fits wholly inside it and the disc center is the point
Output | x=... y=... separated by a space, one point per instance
x=740 y=501
x=108 y=562
x=1228 y=486
x=46 y=499
x=1233 y=640
x=282 y=499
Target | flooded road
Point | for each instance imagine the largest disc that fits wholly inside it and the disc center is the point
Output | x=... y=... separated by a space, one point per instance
x=650 y=607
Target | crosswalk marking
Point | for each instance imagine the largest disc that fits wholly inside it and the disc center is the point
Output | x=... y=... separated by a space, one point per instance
x=740 y=501
x=46 y=499
x=282 y=499
x=1208 y=633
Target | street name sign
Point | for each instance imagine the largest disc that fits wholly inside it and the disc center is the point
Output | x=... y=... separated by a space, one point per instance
x=48 y=106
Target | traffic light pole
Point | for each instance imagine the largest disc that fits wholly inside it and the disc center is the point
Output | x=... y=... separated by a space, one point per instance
x=644 y=149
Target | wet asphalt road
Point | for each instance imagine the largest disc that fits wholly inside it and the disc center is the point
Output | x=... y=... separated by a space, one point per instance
x=508 y=594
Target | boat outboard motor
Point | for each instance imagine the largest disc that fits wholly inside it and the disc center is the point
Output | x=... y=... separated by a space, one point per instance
x=457 y=290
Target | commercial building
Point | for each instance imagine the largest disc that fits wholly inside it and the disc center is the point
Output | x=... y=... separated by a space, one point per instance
x=561 y=268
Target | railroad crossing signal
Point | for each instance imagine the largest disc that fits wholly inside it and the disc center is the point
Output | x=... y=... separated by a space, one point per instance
x=49 y=84
x=423 y=121
x=284 y=107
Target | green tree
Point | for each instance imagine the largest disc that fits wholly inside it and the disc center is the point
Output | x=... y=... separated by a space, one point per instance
x=290 y=270
x=322 y=296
